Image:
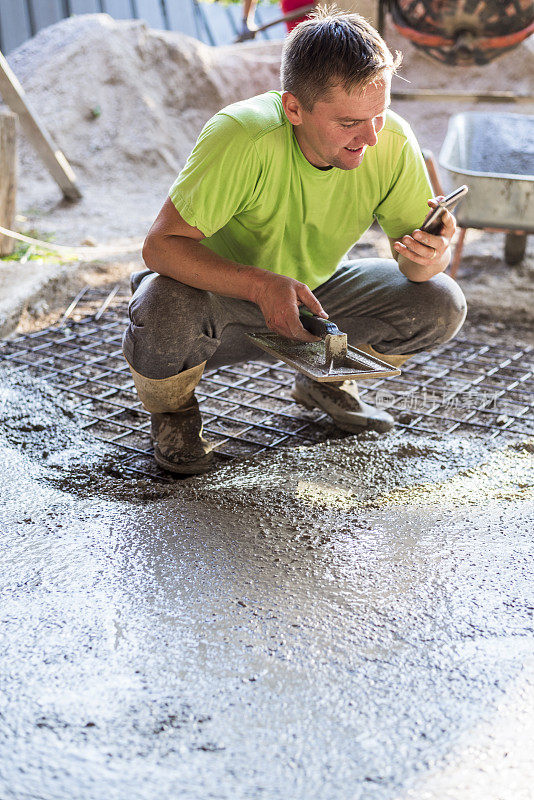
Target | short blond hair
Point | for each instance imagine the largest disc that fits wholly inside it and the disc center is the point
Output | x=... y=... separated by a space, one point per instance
x=333 y=49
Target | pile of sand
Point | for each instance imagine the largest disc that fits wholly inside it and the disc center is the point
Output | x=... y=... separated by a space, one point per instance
x=124 y=101
x=125 y=104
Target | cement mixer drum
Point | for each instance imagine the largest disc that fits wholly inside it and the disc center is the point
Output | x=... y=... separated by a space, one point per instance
x=464 y=32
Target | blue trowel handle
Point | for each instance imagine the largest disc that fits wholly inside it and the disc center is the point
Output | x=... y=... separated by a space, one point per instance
x=317 y=325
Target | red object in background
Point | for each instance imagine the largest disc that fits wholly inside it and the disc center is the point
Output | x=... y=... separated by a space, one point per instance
x=292 y=5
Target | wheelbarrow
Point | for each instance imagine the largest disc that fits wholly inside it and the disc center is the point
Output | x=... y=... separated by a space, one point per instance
x=494 y=155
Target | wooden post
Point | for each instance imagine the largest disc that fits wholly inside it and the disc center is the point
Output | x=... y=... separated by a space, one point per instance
x=55 y=161
x=458 y=253
x=433 y=173
x=8 y=178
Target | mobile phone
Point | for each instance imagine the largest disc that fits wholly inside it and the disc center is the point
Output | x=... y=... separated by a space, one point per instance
x=432 y=222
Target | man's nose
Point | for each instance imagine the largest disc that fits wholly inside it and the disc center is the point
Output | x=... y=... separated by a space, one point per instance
x=369 y=133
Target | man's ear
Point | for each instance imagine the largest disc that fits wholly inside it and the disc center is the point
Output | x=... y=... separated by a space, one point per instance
x=292 y=107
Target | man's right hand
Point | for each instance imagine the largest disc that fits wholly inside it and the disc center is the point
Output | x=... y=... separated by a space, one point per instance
x=173 y=248
x=279 y=298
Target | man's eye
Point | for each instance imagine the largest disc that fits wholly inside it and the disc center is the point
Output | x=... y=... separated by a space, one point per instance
x=349 y=125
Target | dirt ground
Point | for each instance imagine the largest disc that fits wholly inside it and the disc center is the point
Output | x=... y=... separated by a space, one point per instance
x=352 y=620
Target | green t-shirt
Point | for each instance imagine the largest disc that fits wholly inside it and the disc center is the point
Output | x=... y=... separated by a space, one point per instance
x=258 y=201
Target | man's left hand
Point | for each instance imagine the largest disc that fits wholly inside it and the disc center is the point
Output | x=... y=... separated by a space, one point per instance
x=423 y=255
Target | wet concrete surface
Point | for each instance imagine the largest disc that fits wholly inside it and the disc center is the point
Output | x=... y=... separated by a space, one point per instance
x=349 y=621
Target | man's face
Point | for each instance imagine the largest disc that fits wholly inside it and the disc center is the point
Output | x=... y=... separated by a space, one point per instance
x=337 y=132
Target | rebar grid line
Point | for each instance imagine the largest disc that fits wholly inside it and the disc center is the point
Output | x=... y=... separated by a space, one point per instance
x=525 y=406
x=266 y=369
x=92 y=343
x=246 y=427
x=244 y=378
x=142 y=429
x=458 y=422
x=68 y=372
x=482 y=409
x=106 y=302
x=113 y=390
x=480 y=373
x=225 y=387
x=243 y=404
x=224 y=437
x=135 y=450
x=466 y=420
x=447 y=373
x=65 y=357
x=110 y=418
x=462 y=363
x=122 y=319
x=104 y=398
x=263 y=426
x=436 y=406
x=298 y=433
x=422 y=358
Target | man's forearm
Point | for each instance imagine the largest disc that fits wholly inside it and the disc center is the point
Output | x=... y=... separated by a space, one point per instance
x=189 y=262
x=418 y=273
x=277 y=296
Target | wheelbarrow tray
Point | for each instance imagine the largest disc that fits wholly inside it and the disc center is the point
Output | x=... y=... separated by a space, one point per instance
x=494 y=155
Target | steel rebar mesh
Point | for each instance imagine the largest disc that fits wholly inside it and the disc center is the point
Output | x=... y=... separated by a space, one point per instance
x=460 y=386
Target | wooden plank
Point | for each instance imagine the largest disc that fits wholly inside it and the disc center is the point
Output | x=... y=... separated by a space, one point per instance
x=46 y=12
x=85 y=6
x=265 y=13
x=118 y=9
x=150 y=12
x=53 y=158
x=8 y=177
x=14 y=23
x=221 y=28
x=181 y=17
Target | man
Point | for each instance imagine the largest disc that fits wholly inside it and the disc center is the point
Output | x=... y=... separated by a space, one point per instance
x=277 y=189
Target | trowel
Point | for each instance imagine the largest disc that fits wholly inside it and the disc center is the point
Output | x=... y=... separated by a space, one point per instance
x=331 y=359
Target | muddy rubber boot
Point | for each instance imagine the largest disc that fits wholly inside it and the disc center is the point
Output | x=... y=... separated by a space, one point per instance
x=176 y=424
x=178 y=442
x=341 y=402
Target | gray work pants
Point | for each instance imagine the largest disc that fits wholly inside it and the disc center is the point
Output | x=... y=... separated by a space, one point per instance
x=174 y=327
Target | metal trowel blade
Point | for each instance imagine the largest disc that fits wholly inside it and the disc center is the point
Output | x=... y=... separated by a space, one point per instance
x=309 y=358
